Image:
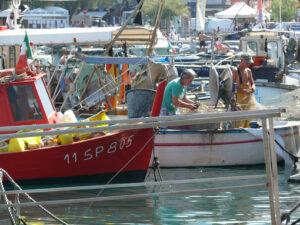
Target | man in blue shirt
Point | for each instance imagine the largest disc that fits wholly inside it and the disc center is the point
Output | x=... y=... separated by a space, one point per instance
x=175 y=94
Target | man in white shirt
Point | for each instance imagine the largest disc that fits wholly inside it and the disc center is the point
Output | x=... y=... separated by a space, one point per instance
x=10 y=21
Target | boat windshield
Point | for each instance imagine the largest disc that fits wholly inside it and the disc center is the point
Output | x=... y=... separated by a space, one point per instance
x=272 y=50
x=251 y=47
x=23 y=103
x=48 y=107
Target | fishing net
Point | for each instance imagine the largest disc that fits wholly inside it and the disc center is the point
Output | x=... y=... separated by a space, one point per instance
x=290 y=101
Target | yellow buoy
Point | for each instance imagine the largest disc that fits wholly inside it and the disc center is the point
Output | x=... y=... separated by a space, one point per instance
x=16 y=145
x=65 y=138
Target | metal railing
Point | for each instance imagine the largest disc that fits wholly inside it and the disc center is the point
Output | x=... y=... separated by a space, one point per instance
x=271 y=177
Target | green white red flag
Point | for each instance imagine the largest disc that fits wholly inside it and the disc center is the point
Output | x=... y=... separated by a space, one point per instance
x=25 y=54
x=171 y=48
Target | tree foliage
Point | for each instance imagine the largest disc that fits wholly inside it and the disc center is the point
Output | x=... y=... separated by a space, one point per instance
x=171 y=9
x=288 y=10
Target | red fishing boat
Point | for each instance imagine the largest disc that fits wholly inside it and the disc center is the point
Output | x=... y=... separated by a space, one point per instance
x=123 y=155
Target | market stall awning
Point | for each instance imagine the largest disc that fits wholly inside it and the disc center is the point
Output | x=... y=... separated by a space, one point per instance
x=237 y=11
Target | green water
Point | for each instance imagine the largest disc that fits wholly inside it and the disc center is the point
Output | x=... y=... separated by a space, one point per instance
x=249 y=206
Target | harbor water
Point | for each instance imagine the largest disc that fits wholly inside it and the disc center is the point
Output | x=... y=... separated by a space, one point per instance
x=250 y=206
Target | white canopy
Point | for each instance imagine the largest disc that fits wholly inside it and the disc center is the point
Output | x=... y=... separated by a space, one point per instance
x=48 y=11
x=238 y=10
x=83 y=35
x=57 y=36
x=225 y=25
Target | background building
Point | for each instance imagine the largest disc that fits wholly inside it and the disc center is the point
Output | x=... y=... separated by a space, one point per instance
x=49 y=17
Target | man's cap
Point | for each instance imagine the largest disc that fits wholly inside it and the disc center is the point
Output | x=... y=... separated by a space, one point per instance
x=247 y=57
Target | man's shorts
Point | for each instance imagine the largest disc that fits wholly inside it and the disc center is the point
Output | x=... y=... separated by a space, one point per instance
x=202 y=44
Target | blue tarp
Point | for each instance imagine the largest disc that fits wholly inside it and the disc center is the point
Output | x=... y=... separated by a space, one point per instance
x=165 y=60
x=116 y=60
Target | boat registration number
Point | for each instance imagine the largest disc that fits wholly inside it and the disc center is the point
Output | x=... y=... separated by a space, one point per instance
x=95 y=153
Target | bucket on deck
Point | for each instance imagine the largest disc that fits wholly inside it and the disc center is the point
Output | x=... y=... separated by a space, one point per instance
x=139 y=102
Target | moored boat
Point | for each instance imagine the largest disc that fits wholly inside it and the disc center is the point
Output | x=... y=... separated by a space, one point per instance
x=215 y=147
x=121 y=156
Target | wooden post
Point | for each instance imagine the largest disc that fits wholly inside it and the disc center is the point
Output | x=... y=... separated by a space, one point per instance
x=268 y=170
x=274 y=171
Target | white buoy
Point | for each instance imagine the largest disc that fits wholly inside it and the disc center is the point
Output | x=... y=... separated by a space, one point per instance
x=295 y=177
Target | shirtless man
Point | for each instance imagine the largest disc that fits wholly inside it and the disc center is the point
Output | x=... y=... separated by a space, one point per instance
x=243 y=78
x=202 y=39
x=242 y=75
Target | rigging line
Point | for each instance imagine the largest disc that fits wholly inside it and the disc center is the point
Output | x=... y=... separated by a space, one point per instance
x=116 y=174
x=287 y=215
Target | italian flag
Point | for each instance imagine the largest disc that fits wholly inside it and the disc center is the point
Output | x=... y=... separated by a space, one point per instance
x=170 y=47
x=25 y=54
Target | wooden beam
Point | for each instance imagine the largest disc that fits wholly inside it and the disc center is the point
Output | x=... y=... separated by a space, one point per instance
x=102 y=84
x=87 y=84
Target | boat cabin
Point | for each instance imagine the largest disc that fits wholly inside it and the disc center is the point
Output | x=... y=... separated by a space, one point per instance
x=265 y=45
x=26 y=101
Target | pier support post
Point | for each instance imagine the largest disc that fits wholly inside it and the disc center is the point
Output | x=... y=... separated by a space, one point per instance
x=271 y=169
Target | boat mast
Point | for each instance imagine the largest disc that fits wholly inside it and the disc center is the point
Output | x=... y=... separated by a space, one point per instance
x=200 y=15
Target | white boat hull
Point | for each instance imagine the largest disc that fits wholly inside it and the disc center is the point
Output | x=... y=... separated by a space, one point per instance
x=191 y=148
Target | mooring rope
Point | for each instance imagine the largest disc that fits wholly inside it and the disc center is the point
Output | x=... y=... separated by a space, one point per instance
x=9 y=204
x=287 y=215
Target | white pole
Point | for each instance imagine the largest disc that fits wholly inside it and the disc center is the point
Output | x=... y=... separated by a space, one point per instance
x=16 y=4
x=280 y=15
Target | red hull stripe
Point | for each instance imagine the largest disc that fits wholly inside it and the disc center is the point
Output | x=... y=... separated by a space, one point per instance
x=290 y=134
x=212 y=143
